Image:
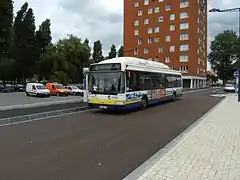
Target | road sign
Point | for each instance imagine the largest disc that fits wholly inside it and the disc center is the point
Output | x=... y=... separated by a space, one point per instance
x=236 y=74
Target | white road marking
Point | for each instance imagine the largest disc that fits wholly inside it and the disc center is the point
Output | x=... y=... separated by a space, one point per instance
x=198 y=90
x=216 y=90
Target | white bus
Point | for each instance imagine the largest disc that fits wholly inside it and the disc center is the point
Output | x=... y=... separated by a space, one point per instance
x=129 y=83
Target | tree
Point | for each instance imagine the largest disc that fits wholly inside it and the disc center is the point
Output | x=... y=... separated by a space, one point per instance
x=86 y=43
x=30 y=48
x=43 y=40
x=120 y=52
x=25 y=50
x=64 y=61
x=113 y=52
x=223 y=54
x=6 y=18
x=211 y=77
x=97 y=52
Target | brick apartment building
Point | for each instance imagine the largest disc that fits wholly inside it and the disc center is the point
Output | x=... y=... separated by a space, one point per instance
x=173 y=32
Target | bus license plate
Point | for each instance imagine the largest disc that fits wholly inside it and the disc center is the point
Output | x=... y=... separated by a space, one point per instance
x=103 y=107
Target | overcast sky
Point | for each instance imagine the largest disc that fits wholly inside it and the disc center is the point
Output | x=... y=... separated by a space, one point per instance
x=103 y=19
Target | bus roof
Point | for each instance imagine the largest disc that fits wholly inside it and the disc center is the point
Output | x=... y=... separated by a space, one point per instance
x=138 y=63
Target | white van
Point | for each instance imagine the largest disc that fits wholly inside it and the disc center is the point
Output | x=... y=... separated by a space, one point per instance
x=37 y=89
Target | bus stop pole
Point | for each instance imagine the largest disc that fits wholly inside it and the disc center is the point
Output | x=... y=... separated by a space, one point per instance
x=85 y=85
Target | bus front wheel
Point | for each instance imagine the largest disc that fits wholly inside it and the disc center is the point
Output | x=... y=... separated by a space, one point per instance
x=174 y=98
x=144 y=103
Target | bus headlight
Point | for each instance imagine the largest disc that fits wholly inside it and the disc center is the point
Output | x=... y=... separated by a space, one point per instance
x=119 y=103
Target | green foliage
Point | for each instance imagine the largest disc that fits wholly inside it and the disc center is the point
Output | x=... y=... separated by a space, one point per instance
x=43 y=39
x=213 y=78
x=86 y=42
x=43 y=35
x=120 y=52
x=113 y=52
x=97 y=52
x=223 y=54
x=6 y=18
x=63 y=61
x=25 y=49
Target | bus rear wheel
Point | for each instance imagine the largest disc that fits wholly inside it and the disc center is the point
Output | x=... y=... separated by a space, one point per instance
x=144 y=103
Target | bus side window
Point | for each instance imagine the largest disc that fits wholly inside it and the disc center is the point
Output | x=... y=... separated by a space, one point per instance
x=156 y=81
x=132 y=81
x=165 y=82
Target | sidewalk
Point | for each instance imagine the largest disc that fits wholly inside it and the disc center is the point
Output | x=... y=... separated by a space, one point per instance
x=210 y=149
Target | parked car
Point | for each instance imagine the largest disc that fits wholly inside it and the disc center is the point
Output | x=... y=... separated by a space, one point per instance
x=19 y=87
x=229 y=88
x=37 y=89
x=6 y=88
x=74 y=90
x=57 y=89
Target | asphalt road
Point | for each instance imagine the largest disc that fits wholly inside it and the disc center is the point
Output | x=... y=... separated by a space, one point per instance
x=94 y=145
x=20 y=98
x=39 y=109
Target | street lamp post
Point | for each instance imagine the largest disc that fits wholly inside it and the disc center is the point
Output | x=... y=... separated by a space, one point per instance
x=232 y=10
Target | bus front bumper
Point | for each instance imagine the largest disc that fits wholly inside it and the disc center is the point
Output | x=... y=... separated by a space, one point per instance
x=115 y=107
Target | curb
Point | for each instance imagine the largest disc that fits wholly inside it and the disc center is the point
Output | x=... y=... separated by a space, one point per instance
x=23 y=106
x=145 y=166
x=38 y=116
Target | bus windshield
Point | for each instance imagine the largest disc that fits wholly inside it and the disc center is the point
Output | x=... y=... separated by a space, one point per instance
x=106 y=83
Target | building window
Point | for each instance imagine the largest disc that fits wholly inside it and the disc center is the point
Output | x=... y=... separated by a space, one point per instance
x=150 y=11
x=184 y=15
x=140 y=13
x=184 y=37
x=150 y=40
x=146 y=21
x=136 y=23
x=172 y=49
x=184 y=47
x=160 y=0
x=168 y=39
x=135 y=51
x=160 y=50
x=139 y=41
x=184 y=69
x=156 y=39
x=146 y=2
x=136 y=4
x=160 y=19
x=167 y=59
x=172 y=27
x=136 y=32
x=157 y=10
x=156 y=30
x=184 y=3
x=168 y=7
x=183 y=58
x=145 y=50
x=172 y=17
x=150 y=30
x=184 y=26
